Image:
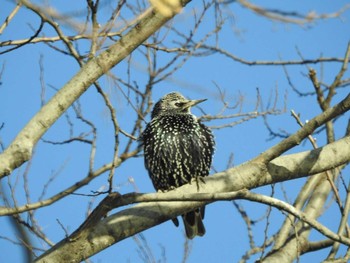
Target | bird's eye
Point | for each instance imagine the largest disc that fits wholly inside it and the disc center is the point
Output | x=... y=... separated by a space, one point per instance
x=178 y=104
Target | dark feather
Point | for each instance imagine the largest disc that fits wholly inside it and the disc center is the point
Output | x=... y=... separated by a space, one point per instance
x=178 y=148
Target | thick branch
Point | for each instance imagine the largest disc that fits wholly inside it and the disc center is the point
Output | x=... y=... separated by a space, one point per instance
x=306 y=130
x=20 y=150
x=142 y=216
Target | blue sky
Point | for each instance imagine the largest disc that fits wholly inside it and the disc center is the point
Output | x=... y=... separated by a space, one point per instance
x=245 y=35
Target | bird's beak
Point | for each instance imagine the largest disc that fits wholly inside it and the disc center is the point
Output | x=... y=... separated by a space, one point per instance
x=191 y=103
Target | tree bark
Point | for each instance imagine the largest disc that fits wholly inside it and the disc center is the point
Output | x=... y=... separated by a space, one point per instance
x=131 y=221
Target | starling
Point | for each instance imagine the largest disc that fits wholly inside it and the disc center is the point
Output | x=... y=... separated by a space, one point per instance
x=178 y=149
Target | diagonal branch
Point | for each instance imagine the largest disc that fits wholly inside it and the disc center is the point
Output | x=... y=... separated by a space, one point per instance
x=20 y=150
x=306 y=130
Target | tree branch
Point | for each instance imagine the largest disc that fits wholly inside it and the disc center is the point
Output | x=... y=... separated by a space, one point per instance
x=99 y=235
x=20 y=150
x=306 y=130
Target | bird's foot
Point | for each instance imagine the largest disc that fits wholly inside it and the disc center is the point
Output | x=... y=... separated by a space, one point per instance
x=198 y=180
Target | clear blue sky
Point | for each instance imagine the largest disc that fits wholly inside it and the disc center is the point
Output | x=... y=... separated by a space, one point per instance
x=247 y=36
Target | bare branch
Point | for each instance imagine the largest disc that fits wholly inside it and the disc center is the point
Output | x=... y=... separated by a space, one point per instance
x=20 y=149
x=10 y=17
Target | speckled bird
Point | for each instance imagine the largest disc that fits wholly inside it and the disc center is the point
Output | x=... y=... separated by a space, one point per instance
x=178 y=149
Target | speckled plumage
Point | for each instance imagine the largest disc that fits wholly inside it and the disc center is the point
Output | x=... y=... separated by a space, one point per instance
x=178 y=148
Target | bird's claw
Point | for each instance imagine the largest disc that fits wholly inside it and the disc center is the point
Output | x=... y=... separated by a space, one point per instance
x=197 y=179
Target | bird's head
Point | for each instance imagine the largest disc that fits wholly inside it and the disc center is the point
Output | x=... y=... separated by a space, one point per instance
x=174 y=103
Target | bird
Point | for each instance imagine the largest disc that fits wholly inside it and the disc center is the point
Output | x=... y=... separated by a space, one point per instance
x=178 y=149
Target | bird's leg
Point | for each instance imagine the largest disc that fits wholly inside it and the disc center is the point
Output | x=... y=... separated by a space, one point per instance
x=197 y=179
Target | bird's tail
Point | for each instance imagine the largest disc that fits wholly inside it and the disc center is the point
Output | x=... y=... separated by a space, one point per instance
x=193 y=222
